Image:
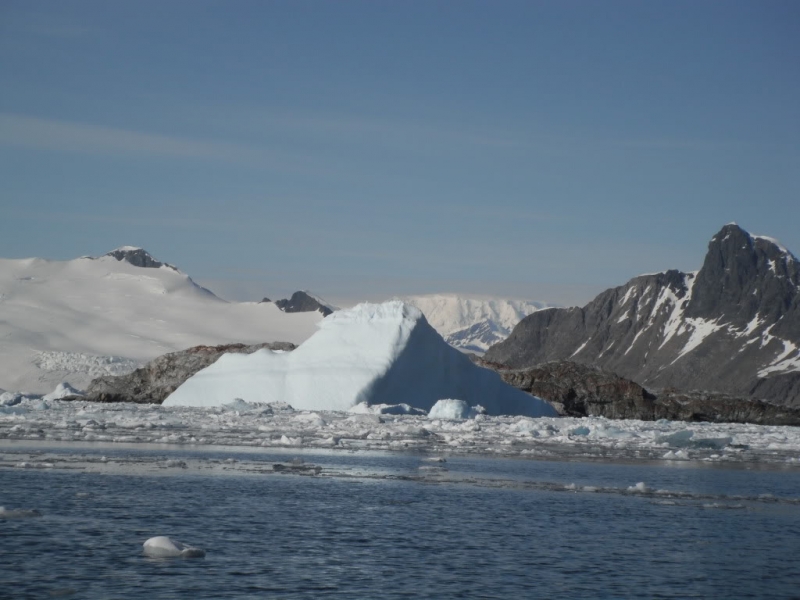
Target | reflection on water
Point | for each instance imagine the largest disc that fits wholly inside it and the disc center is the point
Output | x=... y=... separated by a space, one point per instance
x=365 y=526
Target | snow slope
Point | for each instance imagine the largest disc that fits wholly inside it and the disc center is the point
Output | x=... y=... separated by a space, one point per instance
x=471 y=324
x=78 y=319
x=374 y=353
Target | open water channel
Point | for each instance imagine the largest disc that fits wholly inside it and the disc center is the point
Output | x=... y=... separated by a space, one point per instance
x=369 y=525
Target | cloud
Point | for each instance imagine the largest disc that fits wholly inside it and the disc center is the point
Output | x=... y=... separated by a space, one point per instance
x=72 y=137
x=187 y=222
x=385 y=130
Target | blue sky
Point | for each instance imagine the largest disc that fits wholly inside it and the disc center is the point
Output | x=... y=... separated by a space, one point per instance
x=538 y=150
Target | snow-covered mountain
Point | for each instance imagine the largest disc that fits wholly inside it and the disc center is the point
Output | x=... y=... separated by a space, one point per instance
x=733 y=326
x=79 y=319
x=470 y=324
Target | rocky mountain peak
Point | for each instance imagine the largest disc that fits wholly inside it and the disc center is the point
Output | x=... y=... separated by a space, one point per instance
x=301 y=302
x=733 y=326
x=744 y=277
x=138 y=257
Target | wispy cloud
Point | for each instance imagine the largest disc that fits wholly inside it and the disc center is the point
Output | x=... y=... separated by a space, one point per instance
x=185 y=222
x=73 y=137
x=383 y=129
x=387 y=130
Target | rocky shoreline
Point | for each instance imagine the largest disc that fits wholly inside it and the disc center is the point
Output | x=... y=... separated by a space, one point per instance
x=578 y=390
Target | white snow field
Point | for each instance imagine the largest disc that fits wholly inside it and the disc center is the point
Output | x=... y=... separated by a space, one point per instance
x=473 y=324
x=79 y=319
x=371 y=353
x=39 y=423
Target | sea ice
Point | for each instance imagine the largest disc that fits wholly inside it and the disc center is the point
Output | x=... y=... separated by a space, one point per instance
x=278 y=426
x=639 y=488
x=163 y=547
x=385 y=409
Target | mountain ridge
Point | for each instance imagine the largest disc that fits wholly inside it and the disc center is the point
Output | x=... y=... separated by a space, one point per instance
x=471 y=324
x=733 y=326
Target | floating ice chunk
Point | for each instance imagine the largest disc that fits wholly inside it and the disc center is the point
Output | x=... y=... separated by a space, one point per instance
x=385 y=409
x=237 y=404
x=11 y=398
x=580 y=431
x=19 y=513
x=310 y=419
x=679 y=439
x=639 y=488
x=686 y=439
x=291 y=441
x=713 y=443
x=611 y=431
x=451 y=410
x=62 y=391
x=676 y=455
x=177 y=464
x=163 y=547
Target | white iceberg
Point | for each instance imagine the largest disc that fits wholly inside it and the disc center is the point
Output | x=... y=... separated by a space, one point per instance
x=372 y=353
x=163 y=547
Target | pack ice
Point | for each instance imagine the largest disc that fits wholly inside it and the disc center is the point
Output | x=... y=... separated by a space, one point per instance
x=372 y=353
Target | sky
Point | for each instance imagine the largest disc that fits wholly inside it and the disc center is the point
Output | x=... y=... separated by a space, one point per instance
x=362 y=150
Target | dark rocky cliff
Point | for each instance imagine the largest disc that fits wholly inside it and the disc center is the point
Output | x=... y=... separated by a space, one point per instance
x=301 y=302
x=732 y=327
x=578 y=390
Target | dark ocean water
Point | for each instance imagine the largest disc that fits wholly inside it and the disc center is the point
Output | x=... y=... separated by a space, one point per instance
x=492 y=528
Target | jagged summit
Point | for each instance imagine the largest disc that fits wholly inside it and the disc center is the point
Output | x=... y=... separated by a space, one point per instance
x=302 y=301
x=745 y=277
x=138 y=257
x=733 y=326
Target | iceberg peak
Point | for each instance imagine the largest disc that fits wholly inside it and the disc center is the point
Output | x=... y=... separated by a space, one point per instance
x=371 y=353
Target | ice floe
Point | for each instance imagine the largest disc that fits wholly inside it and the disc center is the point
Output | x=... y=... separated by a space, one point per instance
x=163 y=547
x=453 y=410
x=279 y=426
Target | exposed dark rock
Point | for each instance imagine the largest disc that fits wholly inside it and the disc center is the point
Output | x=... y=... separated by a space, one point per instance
x=138 y=257
x=301 y=302
x=579 y=390
x=152 y=383
x=734 y=326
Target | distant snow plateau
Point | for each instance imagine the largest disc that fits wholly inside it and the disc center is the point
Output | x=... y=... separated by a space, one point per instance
x=79 y=319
